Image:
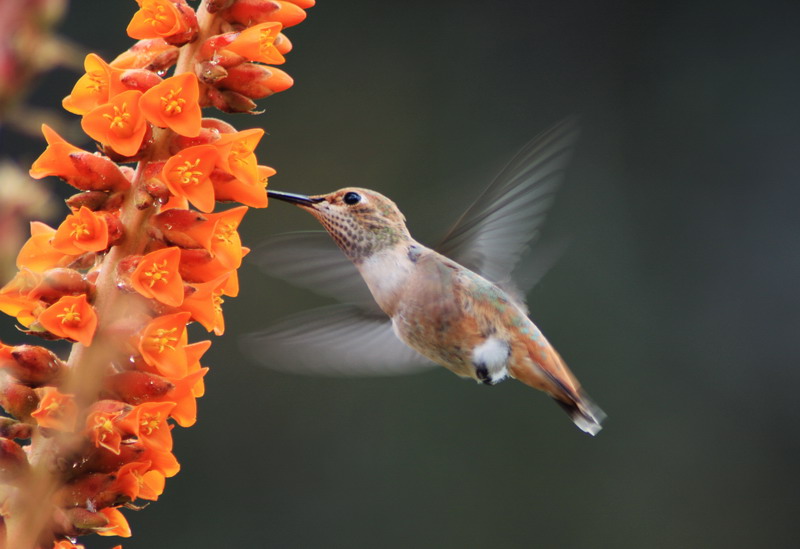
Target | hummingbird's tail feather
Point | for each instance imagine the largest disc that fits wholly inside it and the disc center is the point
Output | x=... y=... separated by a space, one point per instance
x=586 y=415
x=549 y=373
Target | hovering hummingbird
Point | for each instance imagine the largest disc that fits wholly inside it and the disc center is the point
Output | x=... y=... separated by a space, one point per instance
x=454 y=305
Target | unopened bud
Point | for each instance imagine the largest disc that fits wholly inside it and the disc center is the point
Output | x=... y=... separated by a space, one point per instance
x=214 y=48
x=11 y=428
x=252 y=12
x=210 y=72
x=83 y=519
x=93 y=490
x=213 y=6
x=58 y=282
x=93 y=200
x=255 y=81
x=231 y=101
x=184 y=228
x=97 y=173
x=13 y=461
x=152 y=54
x=134 y=387
x=33 y=365
x=17 y=399
x=139 y=79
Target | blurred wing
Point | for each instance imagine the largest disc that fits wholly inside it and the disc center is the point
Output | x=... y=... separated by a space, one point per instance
x=494 y=232
x=311 y=260
x=340 y=340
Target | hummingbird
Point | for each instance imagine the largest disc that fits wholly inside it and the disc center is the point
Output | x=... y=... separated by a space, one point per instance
x=454 y=305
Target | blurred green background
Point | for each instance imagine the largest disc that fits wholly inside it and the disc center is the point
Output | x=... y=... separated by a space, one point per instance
x=676 y=303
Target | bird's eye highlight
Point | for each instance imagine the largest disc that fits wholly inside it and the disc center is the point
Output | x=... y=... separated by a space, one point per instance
x=352 y=198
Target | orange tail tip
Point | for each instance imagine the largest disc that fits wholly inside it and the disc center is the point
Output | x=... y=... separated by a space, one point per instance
x=586 y=415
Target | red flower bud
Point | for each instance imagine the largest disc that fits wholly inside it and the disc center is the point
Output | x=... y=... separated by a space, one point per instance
x=153 y=54
x=209 y=72
x=115 y=229
x=11 y=428
x=17 y=399
x=135 y=387
x=139 y=79
x=206 y=137
x=230 y=101
x=95 y=490
x=58 y=282
x=184 y=228
x=13 y=461
x=214 y=48
x=101 y=460
x=82 y=519
x=33 y=365
x=255 y=81
x=252 y=12
x=213 y=6
x=94 y=200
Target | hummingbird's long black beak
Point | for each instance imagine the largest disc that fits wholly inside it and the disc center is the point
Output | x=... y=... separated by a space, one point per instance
x=299 y=199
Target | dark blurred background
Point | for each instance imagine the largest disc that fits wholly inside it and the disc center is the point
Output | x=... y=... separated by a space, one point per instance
x=676 y=303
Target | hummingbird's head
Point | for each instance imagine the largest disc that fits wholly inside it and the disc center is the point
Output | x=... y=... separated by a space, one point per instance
x=361 y=221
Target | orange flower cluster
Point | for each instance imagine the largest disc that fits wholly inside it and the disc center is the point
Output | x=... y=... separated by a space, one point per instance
x=140 y=255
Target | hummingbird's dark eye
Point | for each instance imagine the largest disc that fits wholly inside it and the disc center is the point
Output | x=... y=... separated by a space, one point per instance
x=352 y=198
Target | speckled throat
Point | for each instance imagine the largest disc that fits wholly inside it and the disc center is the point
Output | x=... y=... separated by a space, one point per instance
x=360 y=234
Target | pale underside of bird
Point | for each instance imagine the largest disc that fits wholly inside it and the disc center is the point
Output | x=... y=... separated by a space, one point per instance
x=476 y=277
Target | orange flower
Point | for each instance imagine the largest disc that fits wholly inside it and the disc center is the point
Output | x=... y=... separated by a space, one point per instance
x=163 y=462
x=252 y=193
x=137 y=480
x=157 y=276
x=236 y=153
x=56 y=410
x=226 y=245
x=148 y=423
x=81 y=232
x=96 y=87
x=188 y=174
x=38 y=254
x=71 y=317
x=162 y=345
x=55 y=160
x=118 y=123
x=194 y=353
x=205 y=304
x=15 y=299
x=174 y=104
x=154 y=19
x=81 y=169
x=257 y=43
x=117 y=524
x=103 y=429
x=183 y=395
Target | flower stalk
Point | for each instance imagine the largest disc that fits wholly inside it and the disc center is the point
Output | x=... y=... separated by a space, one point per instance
x=141 y=255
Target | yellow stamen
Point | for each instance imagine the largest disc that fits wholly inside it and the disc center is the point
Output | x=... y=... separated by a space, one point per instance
x=149 y=423
x=265 y=40
x=120 y=119
x=79 y=230
x=187 y=175
x=157 y=273
x=156 y=16
x=225 y=232
x=70 y=315
x=97 y=83
x=172 y=103
x=163 y=340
